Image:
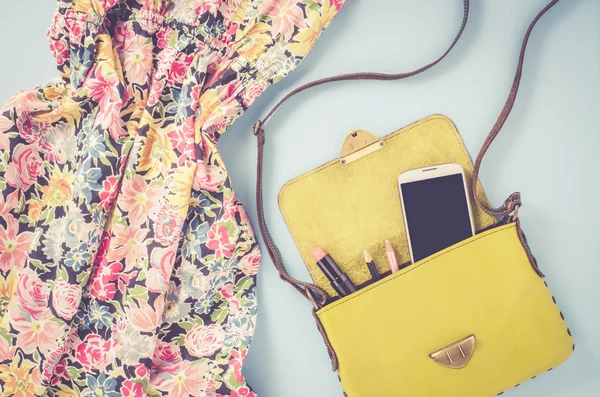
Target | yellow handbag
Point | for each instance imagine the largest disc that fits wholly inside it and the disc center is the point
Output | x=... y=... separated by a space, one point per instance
x=470 y=321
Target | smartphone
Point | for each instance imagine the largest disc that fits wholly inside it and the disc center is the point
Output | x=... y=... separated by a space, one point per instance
x=436 y=208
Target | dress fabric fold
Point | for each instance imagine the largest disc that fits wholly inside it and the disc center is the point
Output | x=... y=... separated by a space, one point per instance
x=127 y=263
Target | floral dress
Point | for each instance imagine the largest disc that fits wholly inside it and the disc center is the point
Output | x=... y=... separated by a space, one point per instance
x=127 y=264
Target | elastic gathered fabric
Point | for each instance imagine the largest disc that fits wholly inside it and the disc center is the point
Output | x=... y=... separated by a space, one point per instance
x=127 y=263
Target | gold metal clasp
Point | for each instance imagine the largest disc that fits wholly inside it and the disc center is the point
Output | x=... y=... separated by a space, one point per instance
x=357 y=144
x=456 y=355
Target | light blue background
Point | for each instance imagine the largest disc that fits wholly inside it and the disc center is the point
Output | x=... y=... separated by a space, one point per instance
x=549 y=149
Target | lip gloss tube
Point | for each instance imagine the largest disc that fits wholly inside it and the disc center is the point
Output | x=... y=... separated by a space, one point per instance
x=338 y=279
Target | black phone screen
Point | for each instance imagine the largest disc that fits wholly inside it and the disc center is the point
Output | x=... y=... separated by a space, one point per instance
x=437 y=214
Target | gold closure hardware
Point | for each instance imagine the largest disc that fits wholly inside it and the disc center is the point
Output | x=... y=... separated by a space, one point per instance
x=357 y=144
x=456 y=355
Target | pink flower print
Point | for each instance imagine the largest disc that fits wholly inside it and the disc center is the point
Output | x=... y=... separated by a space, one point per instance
x=65 y=299
x=51 y=362
x=94 y=353
x=100 y=259
x=217 y=122
x=209 y=6
x=29 y=129
x=234 y=306
x=227 y=291
x=204 y=340
x=14 y=247
x=25 y=168
x=230 y=8
x=211 y=389
x=141 y=371
x=104 y=88
x=236 y=362
x=208 y=177
x=230 y=205
x=103 y=291
x=253 y=91
x=60 y=50
x=245 y=221
x=108 y=192
x=214 y=127
x=6 y=350
x=219 y=242
x=250 y=262
x=59 y=373
x=110 y=119
x=230 y=34
x=126 y=279
x=138 y=59
x=108 y=4
x=164 y=64
x=182 y=137
x=163 y=36
x=5 y=125
x=39 y=332
x=108 y=272
x=179 y=69
x=177 y=73
x=338 y=3
x=105 y=274
x=145 y=317
x=122 y=33
x=167 y=357
x=167 y=226
x=131 y=389
x=188 y=380
x=195 y=94
x=128 y=243
x=75 y=26
x=156 y=91
x=162 y=261
x=24 y=101
x=147 y=18
x=285 y=14
x=9 y=204
x=242 y=392
x=139 y=200
x=33 y=293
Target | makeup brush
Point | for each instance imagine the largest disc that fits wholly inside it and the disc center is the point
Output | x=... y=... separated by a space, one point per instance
x=371 y=266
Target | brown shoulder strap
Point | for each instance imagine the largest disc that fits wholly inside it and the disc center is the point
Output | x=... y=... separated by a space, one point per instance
x=513 y=202
x=316 y=295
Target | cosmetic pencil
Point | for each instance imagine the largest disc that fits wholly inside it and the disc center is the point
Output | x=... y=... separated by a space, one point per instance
x=391 y=256
x=371 y=265
x=338 y=279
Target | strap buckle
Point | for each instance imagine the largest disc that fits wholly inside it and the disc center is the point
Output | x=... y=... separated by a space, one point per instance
x=515 y=213
x=257 y=127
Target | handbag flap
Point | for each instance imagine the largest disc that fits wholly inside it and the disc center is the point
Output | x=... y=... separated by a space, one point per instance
x=480 y=293
x=346 y=209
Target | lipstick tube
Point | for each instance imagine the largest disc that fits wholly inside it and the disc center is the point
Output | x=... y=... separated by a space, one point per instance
x=338 y=279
